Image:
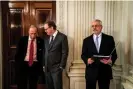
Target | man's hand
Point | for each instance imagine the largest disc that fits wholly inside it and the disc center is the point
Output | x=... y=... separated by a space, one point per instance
x=90 y=61
x=106 y=61
x=43 y=68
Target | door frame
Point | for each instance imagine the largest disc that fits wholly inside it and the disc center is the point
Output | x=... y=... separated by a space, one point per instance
x=4 y=29
x=1 y=57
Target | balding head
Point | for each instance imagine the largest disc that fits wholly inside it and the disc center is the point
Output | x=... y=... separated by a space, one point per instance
x=33 y=32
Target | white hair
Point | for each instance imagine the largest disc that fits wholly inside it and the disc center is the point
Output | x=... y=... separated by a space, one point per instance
x=99 y=21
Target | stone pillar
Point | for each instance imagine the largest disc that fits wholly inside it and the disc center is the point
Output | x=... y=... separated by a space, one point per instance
x=73 y=19
x=127 y=75
x=116 y=26
x=83 y=15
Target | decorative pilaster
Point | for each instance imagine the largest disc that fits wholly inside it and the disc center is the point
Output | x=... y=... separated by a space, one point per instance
x=65 y=27
x=126 y=33
x=83 y=15
x=117 y=21
x=109 y=17
x=73 y=19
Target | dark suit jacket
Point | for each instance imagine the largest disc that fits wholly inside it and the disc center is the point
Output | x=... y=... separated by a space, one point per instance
x=21 y=53
x=56 y=54
x=98 y=70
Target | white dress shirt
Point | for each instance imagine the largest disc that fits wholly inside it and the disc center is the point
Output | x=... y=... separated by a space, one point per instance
x=55 y=33
x=99 y=39
x=28 y=50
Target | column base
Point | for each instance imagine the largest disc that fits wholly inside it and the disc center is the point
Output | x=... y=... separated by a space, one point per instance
x=77 y=75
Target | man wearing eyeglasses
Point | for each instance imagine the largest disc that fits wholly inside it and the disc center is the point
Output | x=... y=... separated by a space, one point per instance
x=56 y=52
x=98 y=69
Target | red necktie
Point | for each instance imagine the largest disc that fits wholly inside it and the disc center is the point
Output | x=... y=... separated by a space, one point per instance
x=31 y=53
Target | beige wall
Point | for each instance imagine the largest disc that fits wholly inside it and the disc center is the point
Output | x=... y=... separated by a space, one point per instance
x=73 y=19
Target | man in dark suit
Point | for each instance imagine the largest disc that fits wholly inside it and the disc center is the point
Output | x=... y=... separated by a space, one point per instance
x=28 y=60
x=56 y=52
x=99 y=69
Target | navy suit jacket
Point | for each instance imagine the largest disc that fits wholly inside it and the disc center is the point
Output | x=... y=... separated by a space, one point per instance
x=98 y=70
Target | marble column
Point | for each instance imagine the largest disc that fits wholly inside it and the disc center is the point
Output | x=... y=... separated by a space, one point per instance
x=114 y=29
x=83 y=15
x=73 y=19
x=127 y=27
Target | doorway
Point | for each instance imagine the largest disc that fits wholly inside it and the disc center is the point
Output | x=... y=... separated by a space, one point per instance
x=17 y=16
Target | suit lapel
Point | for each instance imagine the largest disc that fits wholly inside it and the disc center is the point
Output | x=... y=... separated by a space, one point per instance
x=47 y=42
x=93 y=44
x=102 y=43
x=25 y=44
x=37 y=43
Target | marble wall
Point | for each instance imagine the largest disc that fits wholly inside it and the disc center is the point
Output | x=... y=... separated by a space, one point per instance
x=73 y=19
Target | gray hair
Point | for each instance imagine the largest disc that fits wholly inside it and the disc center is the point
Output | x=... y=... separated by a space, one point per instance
x=99 y=21
x=32 y=26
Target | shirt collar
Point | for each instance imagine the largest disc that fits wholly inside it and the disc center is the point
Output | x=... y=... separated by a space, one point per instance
x=96 y=35
x=30 y=38
x=55 y=33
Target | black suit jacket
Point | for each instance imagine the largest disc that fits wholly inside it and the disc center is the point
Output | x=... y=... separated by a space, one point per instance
x=21 y=53
x=98 y=70
x=56 y=54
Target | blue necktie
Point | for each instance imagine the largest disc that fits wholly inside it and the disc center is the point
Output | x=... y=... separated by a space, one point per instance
x=97 y=44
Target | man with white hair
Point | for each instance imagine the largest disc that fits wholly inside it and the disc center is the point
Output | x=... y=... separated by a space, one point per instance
x=28 y=60
x=98 y=68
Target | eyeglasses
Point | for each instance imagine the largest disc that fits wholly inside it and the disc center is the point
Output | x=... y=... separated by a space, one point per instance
x=95 y=26
x=46 y=29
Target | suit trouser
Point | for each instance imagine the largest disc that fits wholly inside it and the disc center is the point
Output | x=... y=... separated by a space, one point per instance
x=27 y=79
x=102 y=83
x=54 y=79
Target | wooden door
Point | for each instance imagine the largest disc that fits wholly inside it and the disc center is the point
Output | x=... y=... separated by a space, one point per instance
x=17 y=17
x=41 y=12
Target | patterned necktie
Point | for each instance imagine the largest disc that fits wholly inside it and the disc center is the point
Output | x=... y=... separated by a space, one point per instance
x=31 y=53
x=97 y=44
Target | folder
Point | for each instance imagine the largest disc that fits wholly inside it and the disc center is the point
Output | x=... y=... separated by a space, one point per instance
x=101 y=57
x=97 y=58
